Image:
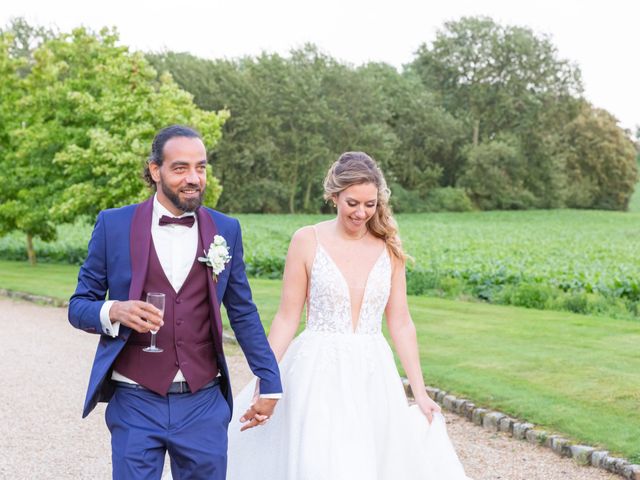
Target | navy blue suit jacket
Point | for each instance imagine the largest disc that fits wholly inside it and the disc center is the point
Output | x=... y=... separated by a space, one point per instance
x=117 y=263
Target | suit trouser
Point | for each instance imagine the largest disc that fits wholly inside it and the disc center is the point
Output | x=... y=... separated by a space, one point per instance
x=192 y=427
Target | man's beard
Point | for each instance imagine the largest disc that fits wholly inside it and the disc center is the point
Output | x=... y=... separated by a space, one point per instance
x=190 y=205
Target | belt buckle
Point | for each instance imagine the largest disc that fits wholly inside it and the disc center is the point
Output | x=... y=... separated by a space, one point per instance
x=182 y=387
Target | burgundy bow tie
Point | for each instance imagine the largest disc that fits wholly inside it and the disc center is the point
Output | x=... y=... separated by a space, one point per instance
x=187 y=221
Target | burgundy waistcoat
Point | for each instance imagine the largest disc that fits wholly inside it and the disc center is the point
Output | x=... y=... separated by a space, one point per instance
x=185 y=336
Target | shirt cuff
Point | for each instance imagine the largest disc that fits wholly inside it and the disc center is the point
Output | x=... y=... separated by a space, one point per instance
x=108 y=328
x=276 y=396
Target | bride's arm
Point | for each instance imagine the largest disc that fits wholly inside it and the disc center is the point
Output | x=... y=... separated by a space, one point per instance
x=403 y=334
x=294 y=292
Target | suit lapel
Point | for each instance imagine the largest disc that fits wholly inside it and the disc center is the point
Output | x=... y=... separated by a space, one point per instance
x=139 y=245
x=207 y=230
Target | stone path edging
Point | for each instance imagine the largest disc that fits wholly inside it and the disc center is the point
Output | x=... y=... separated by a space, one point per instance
x=39 y=299
x=499 y=422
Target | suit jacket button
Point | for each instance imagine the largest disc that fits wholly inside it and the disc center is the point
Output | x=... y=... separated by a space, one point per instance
x=178 y=300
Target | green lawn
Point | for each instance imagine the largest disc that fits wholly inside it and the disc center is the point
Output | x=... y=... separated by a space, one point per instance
x=574 y=374
x=53 y=280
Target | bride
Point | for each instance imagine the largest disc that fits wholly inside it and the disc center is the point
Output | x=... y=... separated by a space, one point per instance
x=343 y=414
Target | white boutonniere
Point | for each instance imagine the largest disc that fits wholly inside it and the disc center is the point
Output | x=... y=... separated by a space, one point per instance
x=217 y=256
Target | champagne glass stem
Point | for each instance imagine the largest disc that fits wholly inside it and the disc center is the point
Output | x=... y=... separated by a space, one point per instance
x=153 y=340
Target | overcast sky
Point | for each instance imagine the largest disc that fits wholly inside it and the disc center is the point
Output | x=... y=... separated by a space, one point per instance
x=602 y=37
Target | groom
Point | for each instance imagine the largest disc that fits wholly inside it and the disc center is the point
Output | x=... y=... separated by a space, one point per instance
x=178 y=400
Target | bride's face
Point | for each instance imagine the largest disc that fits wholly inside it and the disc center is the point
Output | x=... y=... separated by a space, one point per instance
x=356 y=205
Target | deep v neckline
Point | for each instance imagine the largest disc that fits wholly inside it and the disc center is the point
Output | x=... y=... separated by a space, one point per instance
x=354 y=328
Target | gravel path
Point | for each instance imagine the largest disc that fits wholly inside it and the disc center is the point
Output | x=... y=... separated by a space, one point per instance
x=45 y=365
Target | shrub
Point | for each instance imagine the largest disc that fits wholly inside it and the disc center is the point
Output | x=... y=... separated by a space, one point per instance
x=531 y=295
x=405 y=201
x=264 y=266
x=452 y=287
x=601 y=174
x=448 y=199
x=576 y=303
x=420 y=281
x=495 y=175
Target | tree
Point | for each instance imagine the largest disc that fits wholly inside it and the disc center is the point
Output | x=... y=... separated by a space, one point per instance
x=601 y=162
x=492 y=75
x=506 y=80
x=24 y=40
x=345 y=112
x=428 y=139
x=88 y=111
x=495 y=175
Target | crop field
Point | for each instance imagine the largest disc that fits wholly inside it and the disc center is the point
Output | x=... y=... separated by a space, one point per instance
x=580 y=261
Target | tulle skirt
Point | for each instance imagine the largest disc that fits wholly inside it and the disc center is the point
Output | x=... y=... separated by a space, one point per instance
x=343 y=416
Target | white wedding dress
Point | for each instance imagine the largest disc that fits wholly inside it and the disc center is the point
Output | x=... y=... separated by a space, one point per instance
x=343 y=414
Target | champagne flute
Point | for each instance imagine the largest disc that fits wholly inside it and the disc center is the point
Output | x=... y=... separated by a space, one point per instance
x=157 y=300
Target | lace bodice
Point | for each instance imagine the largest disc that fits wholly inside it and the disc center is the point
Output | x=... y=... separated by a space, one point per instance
x=329 y=301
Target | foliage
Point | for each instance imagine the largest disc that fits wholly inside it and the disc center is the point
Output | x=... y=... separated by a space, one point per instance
x=493 y=74
x=24 y=39
x=428 y=138
x=505 y=81
x=405 y=201
x=486 y=112
x=88 y=111
x=9 y=93
x=445 y=199
x=495 y=176
x=481 y=94
x=600 y=160
x=290 y=118
x=448 y=199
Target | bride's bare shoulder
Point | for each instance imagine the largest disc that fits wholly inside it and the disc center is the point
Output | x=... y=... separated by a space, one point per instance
x=309 y=233
x=303 y=234
x=303 y=239
x=303 y=245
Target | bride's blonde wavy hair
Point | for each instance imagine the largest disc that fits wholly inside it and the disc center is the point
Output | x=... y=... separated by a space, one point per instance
x=356 y=168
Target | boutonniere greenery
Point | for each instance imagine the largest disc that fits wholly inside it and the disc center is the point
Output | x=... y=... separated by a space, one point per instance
x=217 y=256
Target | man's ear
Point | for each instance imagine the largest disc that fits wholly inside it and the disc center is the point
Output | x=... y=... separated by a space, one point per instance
x=154 y=170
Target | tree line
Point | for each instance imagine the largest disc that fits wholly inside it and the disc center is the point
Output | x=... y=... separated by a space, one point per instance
x=486 y=116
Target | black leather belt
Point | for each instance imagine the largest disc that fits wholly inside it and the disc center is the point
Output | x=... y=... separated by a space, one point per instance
x=175 y=387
